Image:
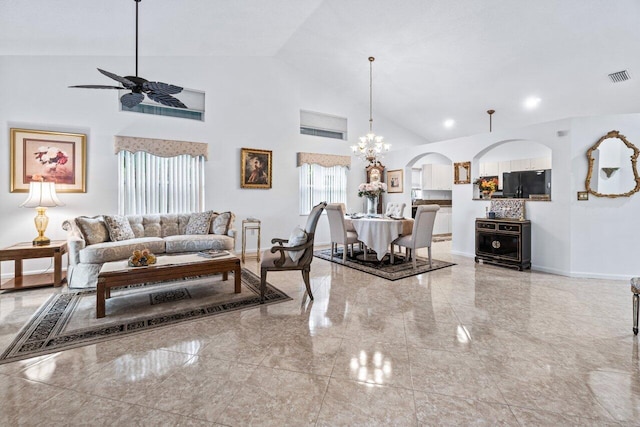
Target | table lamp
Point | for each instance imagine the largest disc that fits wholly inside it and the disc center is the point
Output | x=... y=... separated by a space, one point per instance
x=42 y=195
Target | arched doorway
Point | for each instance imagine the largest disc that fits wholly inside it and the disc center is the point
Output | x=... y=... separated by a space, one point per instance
x=431 y=183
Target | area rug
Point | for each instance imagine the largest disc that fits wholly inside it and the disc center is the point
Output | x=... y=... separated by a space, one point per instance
x=396 y=271
x=68 y=320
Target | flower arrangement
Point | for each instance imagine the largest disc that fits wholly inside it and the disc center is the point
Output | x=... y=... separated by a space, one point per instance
x=371 y=189
x=489 y=185
x=141 y=258
x=51 y=157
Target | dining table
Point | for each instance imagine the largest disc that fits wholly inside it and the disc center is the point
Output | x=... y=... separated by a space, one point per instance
x=377 y=233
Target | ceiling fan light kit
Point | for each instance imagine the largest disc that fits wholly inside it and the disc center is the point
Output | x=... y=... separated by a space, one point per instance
x=156 y=91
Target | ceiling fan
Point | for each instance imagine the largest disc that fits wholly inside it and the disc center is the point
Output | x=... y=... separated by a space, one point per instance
x=157 y=91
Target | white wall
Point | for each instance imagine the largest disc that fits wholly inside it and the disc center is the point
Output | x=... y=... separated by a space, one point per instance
x=605 y=232
x=596 y=238
x=516 y=150
x=250 y=102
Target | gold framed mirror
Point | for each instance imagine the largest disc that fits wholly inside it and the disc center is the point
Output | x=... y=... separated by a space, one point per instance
x=462 y=173
x=612 y=167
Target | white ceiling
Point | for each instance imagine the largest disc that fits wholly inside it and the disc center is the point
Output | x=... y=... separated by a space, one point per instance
x=435 y=59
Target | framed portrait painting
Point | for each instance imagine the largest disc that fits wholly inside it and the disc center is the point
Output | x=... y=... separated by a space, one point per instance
x=255 y=168
x=48 y=156
x=395 y=180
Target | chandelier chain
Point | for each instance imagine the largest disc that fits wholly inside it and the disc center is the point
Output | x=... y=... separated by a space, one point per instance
x=371 y=59
x=371 y=146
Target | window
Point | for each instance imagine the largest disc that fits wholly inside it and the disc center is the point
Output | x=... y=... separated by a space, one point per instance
x=325 y=125
x=151 y=184
x=321 y=184
x=193 y=99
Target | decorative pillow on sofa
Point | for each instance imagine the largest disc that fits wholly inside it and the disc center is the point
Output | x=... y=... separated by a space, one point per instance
x=298 y=237
x=119 y=228
x=221 y=222
x=93 y=229
x=199 y=223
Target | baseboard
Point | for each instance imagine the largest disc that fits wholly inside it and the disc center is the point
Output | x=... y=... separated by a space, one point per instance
x=587 y=275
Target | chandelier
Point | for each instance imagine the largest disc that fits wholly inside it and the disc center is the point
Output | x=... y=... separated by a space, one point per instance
x=371 y=146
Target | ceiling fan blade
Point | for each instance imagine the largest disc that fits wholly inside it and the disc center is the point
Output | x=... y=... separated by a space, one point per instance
x=166 y=99
x=132 y=99
x=126 y=82
x=160 y=87
x=98 y=87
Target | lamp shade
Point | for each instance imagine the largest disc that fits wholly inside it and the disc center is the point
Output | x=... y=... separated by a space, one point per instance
x=42 y=194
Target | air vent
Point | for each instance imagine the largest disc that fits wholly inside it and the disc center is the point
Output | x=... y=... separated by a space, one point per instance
x=324 y=125
x=619 y=76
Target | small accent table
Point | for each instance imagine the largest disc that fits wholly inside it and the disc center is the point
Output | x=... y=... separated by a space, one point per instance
x=250 y=224
x=21 y=251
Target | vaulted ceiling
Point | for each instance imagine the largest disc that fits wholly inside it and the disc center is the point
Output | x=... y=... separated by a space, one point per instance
x=435 y=59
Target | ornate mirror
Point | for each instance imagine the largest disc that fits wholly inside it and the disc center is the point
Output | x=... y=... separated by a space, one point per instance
x=612 y=167
x=462 y=173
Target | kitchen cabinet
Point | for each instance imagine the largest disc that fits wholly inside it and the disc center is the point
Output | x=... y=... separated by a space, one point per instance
x=541 y=163
x=498 y=168
x=437 y=177
x=442 y=224
x=416 y=178
x=489 y=168
x=506 y=243
x=521 y=165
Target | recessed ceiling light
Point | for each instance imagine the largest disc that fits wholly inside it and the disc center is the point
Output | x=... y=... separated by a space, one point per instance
x=531 y=102
x=449 y=123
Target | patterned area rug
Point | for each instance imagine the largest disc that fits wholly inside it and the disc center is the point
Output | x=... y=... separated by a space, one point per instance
x=396 y=271
x=68 y=320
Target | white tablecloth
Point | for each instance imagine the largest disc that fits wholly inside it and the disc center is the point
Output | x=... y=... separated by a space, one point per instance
x=377 y=233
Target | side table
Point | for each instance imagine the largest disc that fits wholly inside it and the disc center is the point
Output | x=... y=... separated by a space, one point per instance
x=21 y=251
x=250 y=224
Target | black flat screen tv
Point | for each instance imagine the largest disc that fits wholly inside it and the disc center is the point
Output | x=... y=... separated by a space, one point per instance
x=521 y=184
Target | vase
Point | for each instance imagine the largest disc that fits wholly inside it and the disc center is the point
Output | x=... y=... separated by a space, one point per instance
x=486 y=194
x=372 y=205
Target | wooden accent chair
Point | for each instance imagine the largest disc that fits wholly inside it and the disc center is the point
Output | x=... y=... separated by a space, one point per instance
x=339 y=233
x=279 y=257
x=421 y=234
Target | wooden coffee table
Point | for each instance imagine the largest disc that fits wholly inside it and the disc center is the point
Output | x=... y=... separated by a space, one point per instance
x=118 y=273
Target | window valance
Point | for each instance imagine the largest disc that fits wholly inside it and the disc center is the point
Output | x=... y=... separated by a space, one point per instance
x=326 y=160
x=160 y=147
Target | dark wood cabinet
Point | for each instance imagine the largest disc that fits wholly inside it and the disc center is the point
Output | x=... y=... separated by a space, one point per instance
x=504 y=242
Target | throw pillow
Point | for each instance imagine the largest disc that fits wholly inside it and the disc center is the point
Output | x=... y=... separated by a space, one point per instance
x=221 y=223
x=199 y=223
x=298 y=237
x=93 y=229
x=119 y=228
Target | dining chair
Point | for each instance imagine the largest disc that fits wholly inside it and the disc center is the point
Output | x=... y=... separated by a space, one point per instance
x=421 y=234
x=339 y=232
x=295 y=253
x=395 y=210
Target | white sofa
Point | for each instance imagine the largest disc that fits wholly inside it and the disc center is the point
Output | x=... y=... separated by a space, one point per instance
x=91 y=241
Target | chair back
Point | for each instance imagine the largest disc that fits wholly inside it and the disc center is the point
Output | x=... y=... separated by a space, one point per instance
x=310 y=228
x=314 y=216
x=395 y=209
x=423 y=225
x=335 y=215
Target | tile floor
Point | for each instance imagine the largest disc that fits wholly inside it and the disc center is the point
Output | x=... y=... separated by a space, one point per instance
x=467 y=345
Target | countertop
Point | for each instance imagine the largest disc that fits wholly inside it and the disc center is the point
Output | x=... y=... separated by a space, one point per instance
x=441 y=202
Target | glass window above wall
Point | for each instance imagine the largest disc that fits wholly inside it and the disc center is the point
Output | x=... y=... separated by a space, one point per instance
x=193 y=99
x=324 y=125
